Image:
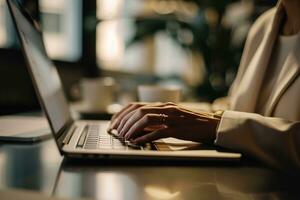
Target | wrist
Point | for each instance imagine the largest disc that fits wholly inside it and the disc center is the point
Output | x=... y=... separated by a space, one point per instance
x=218 y=114
x=217 y=119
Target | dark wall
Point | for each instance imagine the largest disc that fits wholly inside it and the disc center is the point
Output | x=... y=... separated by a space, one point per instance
x=16 y=91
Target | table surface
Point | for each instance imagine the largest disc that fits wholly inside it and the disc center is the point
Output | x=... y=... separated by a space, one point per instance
x=40 y=167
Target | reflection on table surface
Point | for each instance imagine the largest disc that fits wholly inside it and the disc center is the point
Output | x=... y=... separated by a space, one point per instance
x=39 y=167
x=172 y=182
x=29 y=166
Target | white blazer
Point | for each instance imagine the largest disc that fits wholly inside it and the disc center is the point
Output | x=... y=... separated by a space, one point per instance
x=274 y=136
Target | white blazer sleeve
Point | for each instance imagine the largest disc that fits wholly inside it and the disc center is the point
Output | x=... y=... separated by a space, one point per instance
x=274 y=141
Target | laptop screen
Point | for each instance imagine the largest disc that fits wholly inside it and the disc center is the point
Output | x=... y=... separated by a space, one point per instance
x=44 y=74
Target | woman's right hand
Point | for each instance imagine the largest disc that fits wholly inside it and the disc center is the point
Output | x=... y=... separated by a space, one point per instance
x=141 y=123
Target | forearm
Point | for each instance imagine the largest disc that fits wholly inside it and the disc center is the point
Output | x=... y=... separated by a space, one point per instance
x=273 y=140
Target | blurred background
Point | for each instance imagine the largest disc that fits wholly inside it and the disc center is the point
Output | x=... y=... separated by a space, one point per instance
x=195 y=44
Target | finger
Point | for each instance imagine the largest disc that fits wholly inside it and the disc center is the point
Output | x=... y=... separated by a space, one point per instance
x=118 y=113
x=137 y=115
x=125 y=108
x=115 y=116
x=126 y=117
x=115 y=121
x=138 y=127
x=121 y=114
x=133 y=117
x=155 y=135
x=124 y=120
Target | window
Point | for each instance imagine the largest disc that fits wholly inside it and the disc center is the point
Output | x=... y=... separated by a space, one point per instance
x=158 y=54
x=6 y=28
x=62 y=28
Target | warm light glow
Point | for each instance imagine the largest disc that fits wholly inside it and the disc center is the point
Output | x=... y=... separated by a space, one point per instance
x=3 y=31
x=160 y=193
x=3 y=37
x=110 y=188
x=110 y=44
x=111 y=185
x=52 y=5
x=109 y=8
x=61 y=22
x=3 y=169
x=164 y=7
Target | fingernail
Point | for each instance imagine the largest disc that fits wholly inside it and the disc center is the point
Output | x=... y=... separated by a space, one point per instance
x=110 y=131
x=114 y=133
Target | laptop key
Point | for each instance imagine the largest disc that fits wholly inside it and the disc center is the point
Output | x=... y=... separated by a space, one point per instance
x=96 y=139
x=92 y=137
x=82 y=137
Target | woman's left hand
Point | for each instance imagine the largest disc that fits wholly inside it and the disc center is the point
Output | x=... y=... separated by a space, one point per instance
x=142 y=123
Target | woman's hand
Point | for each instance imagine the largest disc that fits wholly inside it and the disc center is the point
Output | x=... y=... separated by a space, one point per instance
x=141 y=123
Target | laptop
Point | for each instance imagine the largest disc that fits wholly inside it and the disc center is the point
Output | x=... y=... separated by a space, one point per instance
x=88 y=139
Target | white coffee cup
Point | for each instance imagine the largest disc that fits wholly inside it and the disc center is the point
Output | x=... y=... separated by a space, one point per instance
x=97 y=93
x=154 y=93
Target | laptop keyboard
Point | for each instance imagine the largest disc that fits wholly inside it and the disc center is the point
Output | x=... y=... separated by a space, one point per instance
x=94 y=138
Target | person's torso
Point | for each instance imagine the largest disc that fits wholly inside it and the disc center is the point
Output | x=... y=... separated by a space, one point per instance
x=265 y=85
